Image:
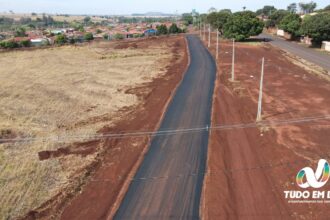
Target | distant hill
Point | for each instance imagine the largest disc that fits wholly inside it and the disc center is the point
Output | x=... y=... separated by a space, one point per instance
x=152 y=14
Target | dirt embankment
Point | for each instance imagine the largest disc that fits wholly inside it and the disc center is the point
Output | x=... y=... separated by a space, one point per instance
x=249 y=169
x=94 y=193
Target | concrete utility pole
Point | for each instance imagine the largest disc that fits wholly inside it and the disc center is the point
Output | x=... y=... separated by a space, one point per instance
x=259 y=116
x=233 y=63
x=217 y=55
x=209 y=44
x=200 y=27
x=204 y=31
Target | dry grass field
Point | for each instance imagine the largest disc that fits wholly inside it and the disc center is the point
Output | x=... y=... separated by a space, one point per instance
x=62 y=92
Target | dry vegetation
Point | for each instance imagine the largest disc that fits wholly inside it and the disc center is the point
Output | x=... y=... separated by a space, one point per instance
x=59 y=92
x=68 y=18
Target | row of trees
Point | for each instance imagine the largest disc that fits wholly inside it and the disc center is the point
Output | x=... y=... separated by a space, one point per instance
x=239 y=25
x=315 y=26
x=173 y=29
x=242 y=25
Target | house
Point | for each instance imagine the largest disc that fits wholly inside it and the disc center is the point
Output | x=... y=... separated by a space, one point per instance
x=150 y=32
x=58 y=31
x=39 y=42
x=326 y=45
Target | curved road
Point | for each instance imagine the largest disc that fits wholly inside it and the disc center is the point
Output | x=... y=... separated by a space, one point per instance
x=309 y=54
x=180 y=158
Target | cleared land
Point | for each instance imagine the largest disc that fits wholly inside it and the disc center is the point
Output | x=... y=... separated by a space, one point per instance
x=249 y=169
x=70 y=91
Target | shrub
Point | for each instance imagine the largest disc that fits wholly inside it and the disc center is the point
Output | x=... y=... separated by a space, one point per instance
x=88 y=37
x=9 y=44
x=118 y=36
x=162 y=29
x=25 y=43
x=60 y=39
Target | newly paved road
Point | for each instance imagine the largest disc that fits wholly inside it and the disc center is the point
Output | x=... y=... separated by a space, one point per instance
x=311 y=55
x=177 y=196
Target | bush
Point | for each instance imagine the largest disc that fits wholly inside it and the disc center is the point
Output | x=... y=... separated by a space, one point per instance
x=118 y=36
x=162 y=29
x=25 y=43
x=60 y=39
x=174 y=29
x=137 y=35
x=88 y=37
x=105 y=36
x=9 y=44
x=20 y=32
x=242 y=25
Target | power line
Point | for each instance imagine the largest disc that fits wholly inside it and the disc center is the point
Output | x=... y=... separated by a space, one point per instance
x=166 y=132
x=267 y=166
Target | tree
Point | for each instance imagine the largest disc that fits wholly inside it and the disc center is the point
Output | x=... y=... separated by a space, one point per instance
x=60 y=39
x=317 y=27
x=20 y=32
x=327 y=8
x=87 y=19
x=88 y=36
x=174 y=29
x=267 y=10
x=307 y=8
x=292 y=8
x=98 y=31
x=218 y=19
x=242 y=25
x=187 y=18
x=276 y=18
x=291 y=23
x=212 y=9
x=162 y=29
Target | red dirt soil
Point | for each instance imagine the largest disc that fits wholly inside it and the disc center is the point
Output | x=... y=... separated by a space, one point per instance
x=251 y=168
x=96 y=194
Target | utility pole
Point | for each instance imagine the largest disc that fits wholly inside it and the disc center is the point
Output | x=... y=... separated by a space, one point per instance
x=233 y=63
x=204 y=32
x=217 y=55
x=259 y=116
x=200 y=27
x=209 y=44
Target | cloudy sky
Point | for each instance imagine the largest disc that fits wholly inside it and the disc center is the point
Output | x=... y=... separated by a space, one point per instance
x=136 y=6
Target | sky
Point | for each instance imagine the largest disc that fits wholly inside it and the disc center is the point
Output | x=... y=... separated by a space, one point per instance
x=125 y=7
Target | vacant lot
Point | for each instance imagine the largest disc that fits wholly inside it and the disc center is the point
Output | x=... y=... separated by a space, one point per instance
x=249 y=169
x=59 y=93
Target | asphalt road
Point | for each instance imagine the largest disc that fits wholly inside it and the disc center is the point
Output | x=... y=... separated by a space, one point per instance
x=170 y=191
x=309 y=54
